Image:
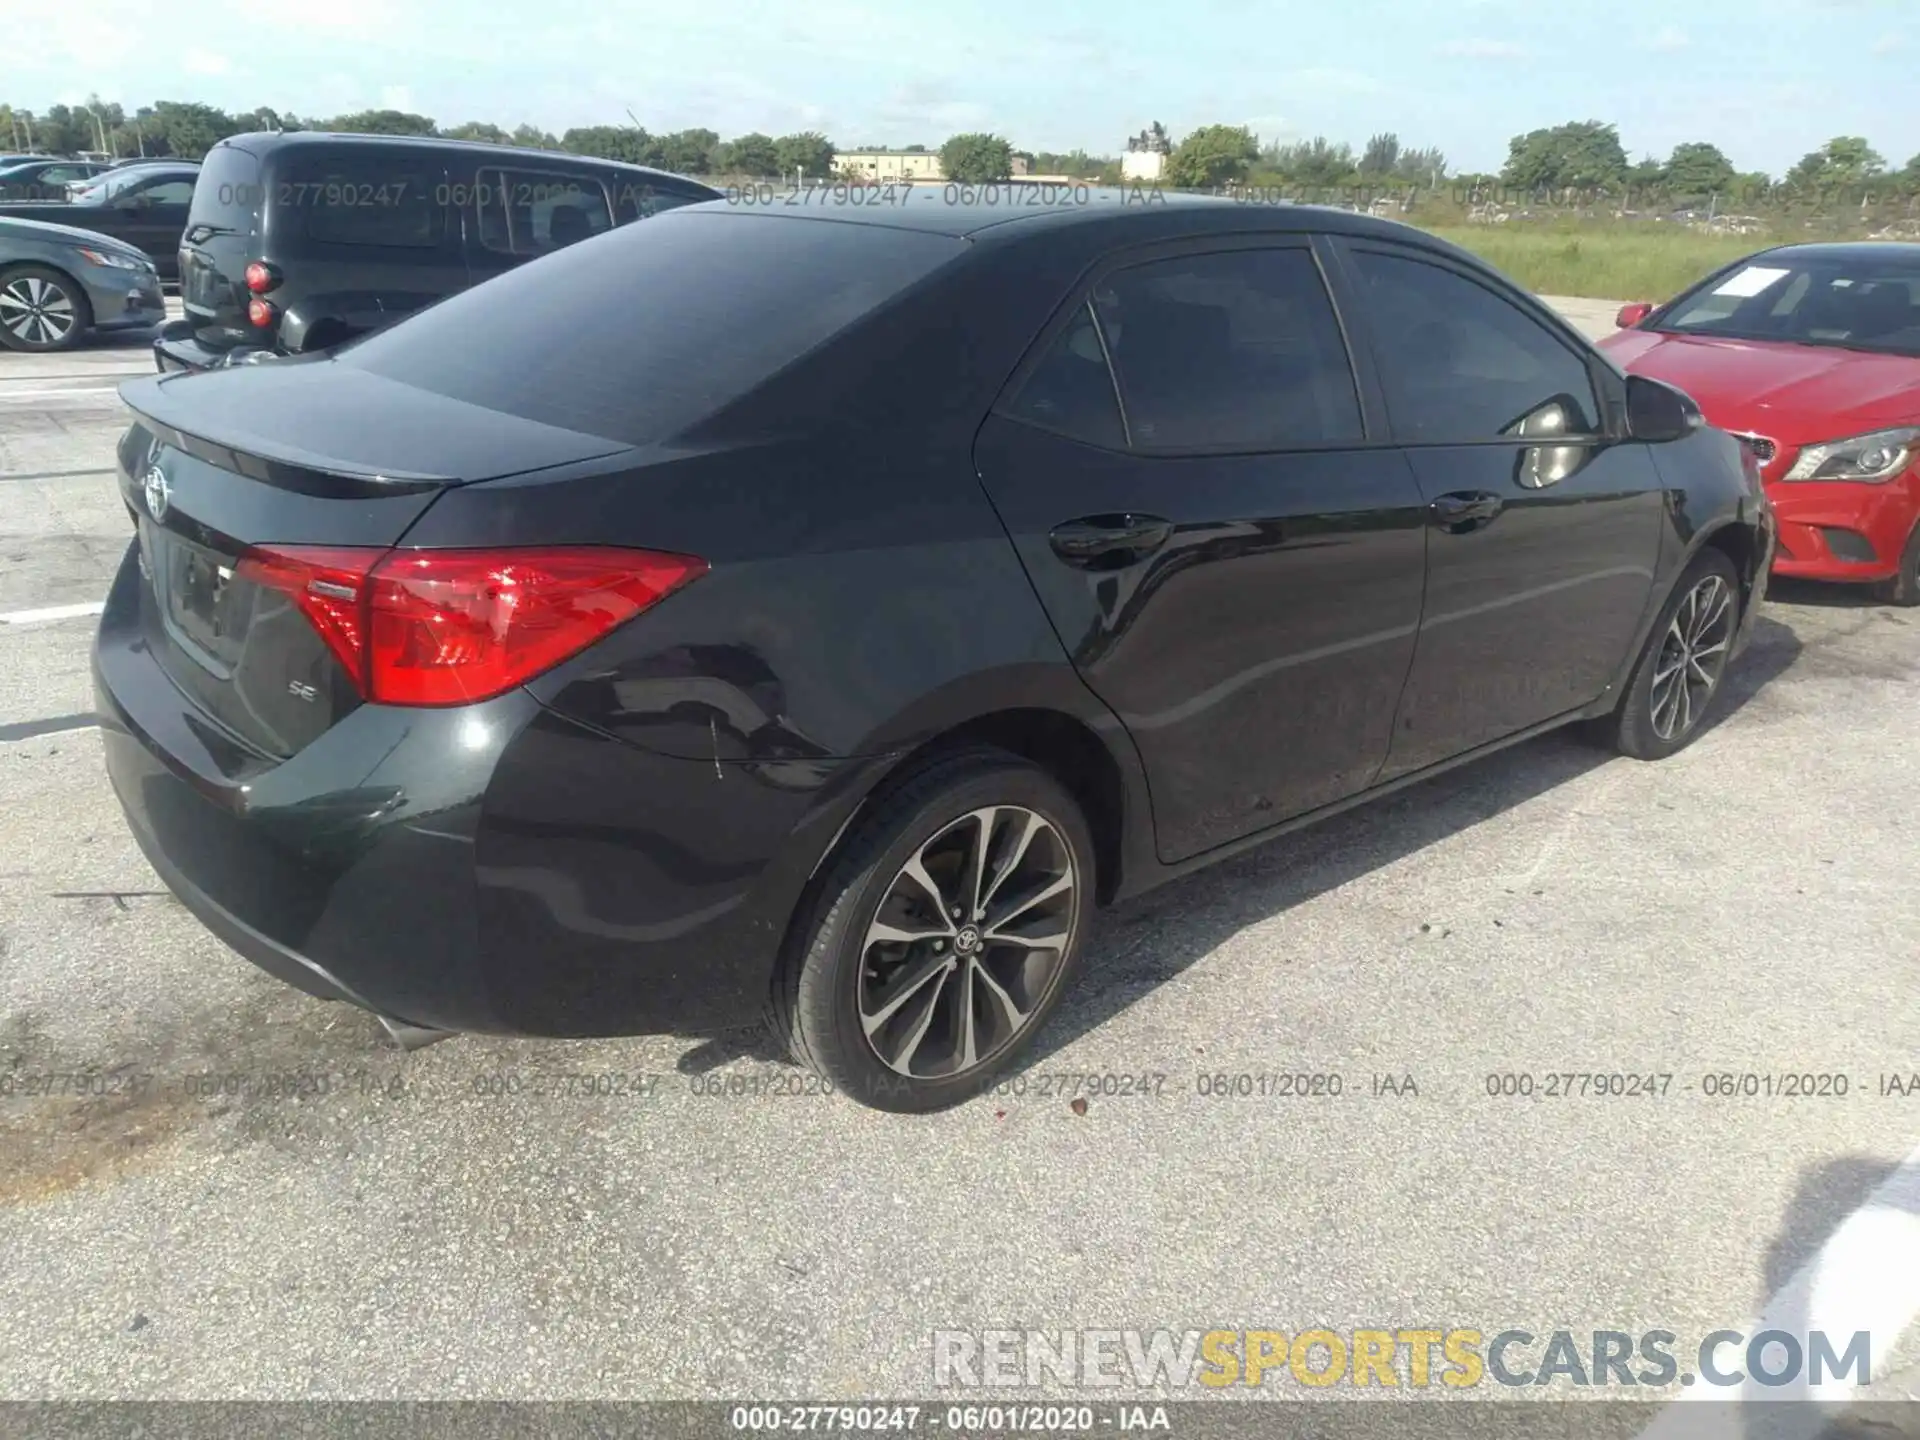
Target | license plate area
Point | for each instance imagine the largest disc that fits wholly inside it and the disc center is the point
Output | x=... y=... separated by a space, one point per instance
x=204 y=606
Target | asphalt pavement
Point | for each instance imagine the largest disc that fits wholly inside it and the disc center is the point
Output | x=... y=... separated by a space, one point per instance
x=287 y=1208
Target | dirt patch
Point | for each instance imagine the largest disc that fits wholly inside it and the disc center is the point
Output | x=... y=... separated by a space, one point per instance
x=277 y=1069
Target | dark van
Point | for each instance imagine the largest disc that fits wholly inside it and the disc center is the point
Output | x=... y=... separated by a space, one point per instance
x=298 y=241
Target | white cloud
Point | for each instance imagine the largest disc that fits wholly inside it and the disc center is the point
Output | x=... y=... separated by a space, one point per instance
x=1331 y=78
x=1669 y=37
x=396 y=97
x=1889 y=43
x=205 y=62
x=1483 y=49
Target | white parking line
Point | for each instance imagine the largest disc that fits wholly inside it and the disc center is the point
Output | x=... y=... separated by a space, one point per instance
x=107 y=389
x=52 y=612
x=1865 y=1277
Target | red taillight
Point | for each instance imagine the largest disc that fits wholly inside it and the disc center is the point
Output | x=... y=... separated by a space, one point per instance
x=450 y=627
x=261 y=277
x=260 y=312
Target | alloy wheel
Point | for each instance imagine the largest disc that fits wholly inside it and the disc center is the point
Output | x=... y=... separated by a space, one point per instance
x=968 y=942
x=36 y=310
x=1693 y=656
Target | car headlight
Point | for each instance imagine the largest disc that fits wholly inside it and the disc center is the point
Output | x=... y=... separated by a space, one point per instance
x=1871 y=458
x=113 y=260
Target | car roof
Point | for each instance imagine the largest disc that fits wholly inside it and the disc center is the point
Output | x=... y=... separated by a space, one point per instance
x=1021 y=208
x=1844 y=251
x=261 y=142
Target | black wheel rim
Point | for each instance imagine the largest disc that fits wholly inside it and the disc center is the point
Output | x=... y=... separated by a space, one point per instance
x=1693 y=655
x=968 y=942
x=36 y=310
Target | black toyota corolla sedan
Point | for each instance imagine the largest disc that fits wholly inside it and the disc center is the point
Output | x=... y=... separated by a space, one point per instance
x=819 y=613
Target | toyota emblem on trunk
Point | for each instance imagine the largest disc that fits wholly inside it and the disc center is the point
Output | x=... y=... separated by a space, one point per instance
x=157 y=492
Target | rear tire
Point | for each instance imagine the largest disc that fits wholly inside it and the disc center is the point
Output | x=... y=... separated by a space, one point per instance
x=41 y=310
x=1678 y=674
x=912 y=1006
x=1904 y=588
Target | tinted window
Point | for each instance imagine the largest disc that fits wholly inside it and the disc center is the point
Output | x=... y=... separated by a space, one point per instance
x=1460 y=363
x=1867 y=299
x=367 y=199
x=227 y=192
x=639 y=199
x=1071 y=389
x=705 y=309
x=1238 y=349
x=529 y=212
x=166 y=192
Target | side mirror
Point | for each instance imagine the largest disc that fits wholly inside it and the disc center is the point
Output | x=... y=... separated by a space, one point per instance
x=1657 y=412
x=1632 y=315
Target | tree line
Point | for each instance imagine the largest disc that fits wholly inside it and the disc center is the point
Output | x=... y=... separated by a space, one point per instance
x=1579 y=156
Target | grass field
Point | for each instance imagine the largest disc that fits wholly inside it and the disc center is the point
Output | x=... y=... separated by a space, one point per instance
x=1605 y=261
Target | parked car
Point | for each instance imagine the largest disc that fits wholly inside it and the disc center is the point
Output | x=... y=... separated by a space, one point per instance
x=1812 y=352
x=143 y=205
x=51 y=180
x=296 y=242
x=831 y=628
x=57 y=284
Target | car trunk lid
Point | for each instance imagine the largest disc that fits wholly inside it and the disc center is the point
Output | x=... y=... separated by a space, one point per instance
x=304 y=454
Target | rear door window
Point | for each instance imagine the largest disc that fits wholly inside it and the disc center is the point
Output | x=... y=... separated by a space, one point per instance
x=369 y=199
x=1071 y=391
x=530 y=212
x=1234 y=350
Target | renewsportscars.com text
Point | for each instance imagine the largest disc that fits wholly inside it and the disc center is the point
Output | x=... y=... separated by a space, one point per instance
x=1455 y=1358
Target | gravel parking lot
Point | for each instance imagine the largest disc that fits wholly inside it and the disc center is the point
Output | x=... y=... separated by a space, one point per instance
x=468 y=1221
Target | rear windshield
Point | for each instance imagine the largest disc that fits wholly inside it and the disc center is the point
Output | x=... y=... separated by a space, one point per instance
x=360 y=197
x=226 y=196
x=639 y=333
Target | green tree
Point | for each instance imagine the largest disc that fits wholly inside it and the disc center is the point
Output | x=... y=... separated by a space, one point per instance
x=1212 y=155
x=1844 y=162
x=382 y=122
x=186 y=129
x=1697 y=168
x=1649 y=174
x=1315 y=164
x=1381 y=158
x=612 y=142
x=809 y=152
x=750 y=154
x=479 y=130
x=1580 y=153
x=1421 y=167
x=689 y=152
x=532 y=137
x=977 y=159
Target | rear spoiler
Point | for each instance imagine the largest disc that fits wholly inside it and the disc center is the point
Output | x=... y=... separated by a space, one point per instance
x=315 y=425
x=208 y=433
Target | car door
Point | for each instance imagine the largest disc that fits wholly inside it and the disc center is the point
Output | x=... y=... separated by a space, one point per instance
x=1185 y=468
x=152 y=214
x=1545 y=520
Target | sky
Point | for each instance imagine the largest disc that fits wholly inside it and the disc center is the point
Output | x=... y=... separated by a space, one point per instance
x=1766 y=80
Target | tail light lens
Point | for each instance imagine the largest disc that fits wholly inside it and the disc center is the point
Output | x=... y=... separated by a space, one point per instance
x=452 y=627
x=261 y=277
x=260 y=312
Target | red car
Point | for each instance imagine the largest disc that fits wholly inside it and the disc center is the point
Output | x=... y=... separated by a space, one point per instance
x=1811 y=353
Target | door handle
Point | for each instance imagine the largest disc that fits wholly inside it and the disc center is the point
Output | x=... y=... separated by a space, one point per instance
x=1106 y=541
x=1463 y=511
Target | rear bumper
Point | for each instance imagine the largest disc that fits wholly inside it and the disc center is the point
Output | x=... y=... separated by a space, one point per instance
x=490 y=868
x=1841 y=531
x=177 y=348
